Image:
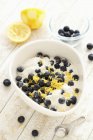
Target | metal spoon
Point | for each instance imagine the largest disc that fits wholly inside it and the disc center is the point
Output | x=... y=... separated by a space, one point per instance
x=64 y=129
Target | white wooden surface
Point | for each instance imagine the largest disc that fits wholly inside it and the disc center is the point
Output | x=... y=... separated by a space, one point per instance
x=11 y=106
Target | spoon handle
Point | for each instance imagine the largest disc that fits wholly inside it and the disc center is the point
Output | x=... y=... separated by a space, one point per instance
x=63 y=130
x=77 y=122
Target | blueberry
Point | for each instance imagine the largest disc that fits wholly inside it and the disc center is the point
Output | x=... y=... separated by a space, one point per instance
x=57 y=66
x=61 y=101
x=25 y=80
x=89 y=46
x=48 y=84
x=52 y=75
x=37 y=70
x=40 y=63
x=52 y=62
x=36 y=87
x=24 y=88
x=61 y=80
x=76 y=77
x=61 y=34
x=67 y=34
x=41 y=83
x=68 y=102
x=35 y=133
x=61 y=76
x=65 y=62
x=62 y=91
x=27 y=93
x=71 y=31
x=63 y=68
x=30 y=89
x=71 y=83
x=66 y=28
x=77 y=31
x=7 y=82
x=18 y=78
x=57 y=73
x=30 y=84
x=53 y=109
x=73 y=100
x=43 y=90
x=60 y=31
x=45 y=55
x=47 y=74
x=70 y=71
x=39 y=54
x=40 y=75
x=76 y=90
x=30 y=76
x=36 y=95
x=38 y=100
x=47 y=68
x=47 y=102
x=19 y=84
x=90 y=57
x=21 y=119
x=76 y=34
x=33 y=82
x=46 y=78
x=20 y=69
x=57 y=59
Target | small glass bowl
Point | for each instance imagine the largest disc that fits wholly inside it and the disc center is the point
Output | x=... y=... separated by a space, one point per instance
x=75 y=22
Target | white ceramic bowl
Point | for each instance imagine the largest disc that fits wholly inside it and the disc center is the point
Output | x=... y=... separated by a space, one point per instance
x=52 y=48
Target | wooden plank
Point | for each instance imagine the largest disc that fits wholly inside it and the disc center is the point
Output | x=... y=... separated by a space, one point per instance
x=44 y=124
x=10 y=128
x=6 y=9
x=90 y=137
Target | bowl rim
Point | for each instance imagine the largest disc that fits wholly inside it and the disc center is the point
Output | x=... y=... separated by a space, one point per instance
x=45 y=111
x=68 y=39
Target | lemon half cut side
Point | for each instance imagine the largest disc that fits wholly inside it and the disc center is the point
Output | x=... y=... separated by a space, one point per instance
x=18 y=32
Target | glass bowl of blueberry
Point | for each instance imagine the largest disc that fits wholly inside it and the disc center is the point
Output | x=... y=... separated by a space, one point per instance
x=68 y=27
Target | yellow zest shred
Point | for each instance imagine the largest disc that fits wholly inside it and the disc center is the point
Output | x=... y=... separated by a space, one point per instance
x=55 y=84
x=48 y=89
x=36 y=78
x=30 y=94
x=75 y=94
x=68 y=77
x=43 y=95
x=67 y=95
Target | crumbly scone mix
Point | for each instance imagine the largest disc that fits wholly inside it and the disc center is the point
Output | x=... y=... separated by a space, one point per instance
x=50 y=81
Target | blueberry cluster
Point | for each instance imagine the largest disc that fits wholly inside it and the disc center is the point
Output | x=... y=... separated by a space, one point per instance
x=40 y=84
x=90 y=47
x=67 y=32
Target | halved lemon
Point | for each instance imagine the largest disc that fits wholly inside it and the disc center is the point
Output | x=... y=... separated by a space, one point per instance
x=33 y=17
x=18 y=32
